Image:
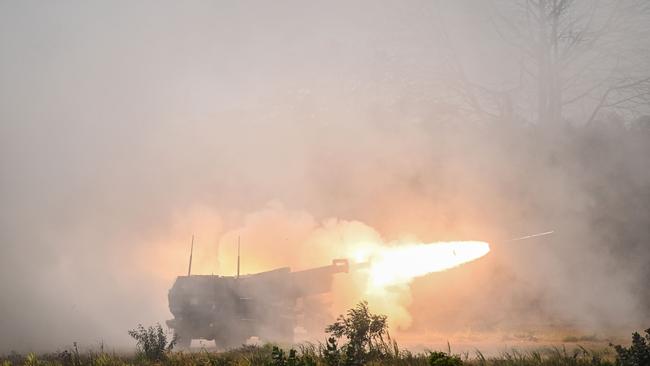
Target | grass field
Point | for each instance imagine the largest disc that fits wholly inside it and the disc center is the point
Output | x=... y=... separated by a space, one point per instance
x=310 y=354
x=357 y=338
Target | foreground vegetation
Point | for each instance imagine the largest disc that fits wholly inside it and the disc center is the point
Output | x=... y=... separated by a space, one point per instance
x=357 y=338
x=316 y=355
x=308 y=355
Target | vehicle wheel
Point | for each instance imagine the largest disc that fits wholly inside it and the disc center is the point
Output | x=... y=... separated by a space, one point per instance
x=229 y=342
x=182 y=341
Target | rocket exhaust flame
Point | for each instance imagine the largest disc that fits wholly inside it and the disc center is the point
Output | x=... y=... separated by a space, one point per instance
x=401 y=264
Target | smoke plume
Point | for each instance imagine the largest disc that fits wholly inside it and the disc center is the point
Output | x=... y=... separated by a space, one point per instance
x=304 y=130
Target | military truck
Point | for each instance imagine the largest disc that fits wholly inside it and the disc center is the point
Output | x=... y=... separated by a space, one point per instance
x=231 y=309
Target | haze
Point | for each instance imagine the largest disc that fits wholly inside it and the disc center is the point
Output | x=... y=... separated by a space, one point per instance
x=304 y=128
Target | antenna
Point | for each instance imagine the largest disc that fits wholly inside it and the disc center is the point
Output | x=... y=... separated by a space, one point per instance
x=238 y=255
x=189 y=268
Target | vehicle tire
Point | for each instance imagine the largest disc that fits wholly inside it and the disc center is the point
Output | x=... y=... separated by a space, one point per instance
x=230 y=342
x=183 y=341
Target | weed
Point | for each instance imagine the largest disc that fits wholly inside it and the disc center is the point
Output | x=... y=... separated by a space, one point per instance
x=31 y=360
x=444 y=359
x=152 y=342
x=364 y=331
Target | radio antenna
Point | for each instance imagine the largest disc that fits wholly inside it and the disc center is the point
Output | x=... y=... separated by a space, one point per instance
x=238 y=254
x=189 y=268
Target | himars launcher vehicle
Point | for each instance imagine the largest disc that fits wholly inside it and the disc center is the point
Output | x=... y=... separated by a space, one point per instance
x=231 y=309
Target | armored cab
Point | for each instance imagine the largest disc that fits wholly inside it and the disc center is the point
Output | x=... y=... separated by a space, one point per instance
x=231 y=309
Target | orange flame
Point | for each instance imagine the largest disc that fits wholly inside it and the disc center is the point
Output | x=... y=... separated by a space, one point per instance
x=401 y=264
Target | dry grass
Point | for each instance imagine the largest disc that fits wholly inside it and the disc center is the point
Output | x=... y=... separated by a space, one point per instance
x=308 y=353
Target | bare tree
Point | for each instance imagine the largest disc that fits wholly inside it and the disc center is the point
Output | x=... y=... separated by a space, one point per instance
x=591 y=54
x=575 y=59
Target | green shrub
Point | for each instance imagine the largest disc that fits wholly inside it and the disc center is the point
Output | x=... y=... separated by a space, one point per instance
x=152 y=342
x=279 y=358
x=31 y=360
x=331 y=352
x=364 y=331
x=443 y=359
x=638 y=354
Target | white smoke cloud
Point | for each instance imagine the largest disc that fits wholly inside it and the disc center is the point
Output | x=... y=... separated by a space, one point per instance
x=125 y=131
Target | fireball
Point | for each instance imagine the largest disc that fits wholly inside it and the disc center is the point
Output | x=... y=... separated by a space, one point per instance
x=401 y=264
